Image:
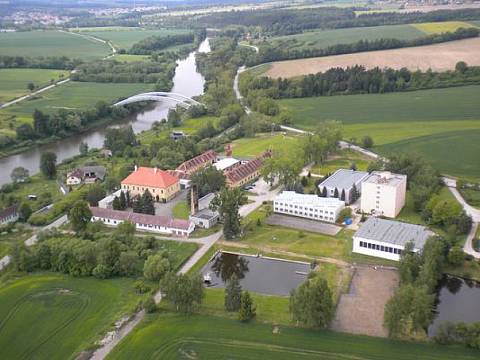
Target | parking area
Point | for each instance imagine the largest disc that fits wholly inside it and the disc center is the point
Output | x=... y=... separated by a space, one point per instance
x=166 y=209
x=303 y=224
x=361 y=310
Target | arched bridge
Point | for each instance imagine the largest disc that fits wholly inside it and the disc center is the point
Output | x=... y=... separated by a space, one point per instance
x=180 y=99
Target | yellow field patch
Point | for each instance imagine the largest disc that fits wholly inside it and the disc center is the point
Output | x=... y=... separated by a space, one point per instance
x=441 y=27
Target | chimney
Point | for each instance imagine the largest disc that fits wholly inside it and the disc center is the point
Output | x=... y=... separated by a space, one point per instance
x=136 y=168
x=193 y=199
x=228 y=150
x=155 y=170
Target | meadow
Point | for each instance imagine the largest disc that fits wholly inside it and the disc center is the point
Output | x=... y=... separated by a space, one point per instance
x=251 y=147
x=51 y=316
x=441 y=124
x=51 y=43
x=13 y=82
x=441 y=27
x=170 y=336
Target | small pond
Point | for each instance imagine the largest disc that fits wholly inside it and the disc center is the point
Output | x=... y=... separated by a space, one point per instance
x=458 y=300
x=257 y=274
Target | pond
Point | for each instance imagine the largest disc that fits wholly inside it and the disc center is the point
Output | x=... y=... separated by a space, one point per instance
x=458 y=300
x=257 y=274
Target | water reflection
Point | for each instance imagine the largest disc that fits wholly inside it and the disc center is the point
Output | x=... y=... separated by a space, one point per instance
x=227 y=264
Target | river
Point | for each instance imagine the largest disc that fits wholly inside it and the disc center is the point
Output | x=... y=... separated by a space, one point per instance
x=187 y=81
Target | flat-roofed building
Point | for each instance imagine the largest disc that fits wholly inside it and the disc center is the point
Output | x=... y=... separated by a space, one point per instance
x=387 y=238
x=308 y=206
x=162 y=185
x=383 y=193
x=344 y=181
x=226 y=164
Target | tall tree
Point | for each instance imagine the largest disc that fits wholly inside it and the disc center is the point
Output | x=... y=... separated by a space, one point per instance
x=95 y=194
x=40 y=123
x=123 y=201
x=227 y=202
x=148 y=206
x=79 y=216
x=19 y=174
x=247 y=309
x=183 y=292
x=233 y=294
x=48 y=164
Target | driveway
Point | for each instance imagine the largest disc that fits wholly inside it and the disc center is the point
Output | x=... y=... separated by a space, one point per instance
x=166 y=209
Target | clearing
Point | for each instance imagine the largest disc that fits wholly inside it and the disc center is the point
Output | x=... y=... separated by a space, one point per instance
x=169 y=336
x=51 y=43
x=360 y=311
x=51 y=316
x=438 y=57
x=13 y=82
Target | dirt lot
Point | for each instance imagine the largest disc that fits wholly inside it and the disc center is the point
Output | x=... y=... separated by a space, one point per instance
x=361 y=310
x=438 y=57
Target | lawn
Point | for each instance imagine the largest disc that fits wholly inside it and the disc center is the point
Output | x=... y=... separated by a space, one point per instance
x=471 y=196
x=51 y=316
x=170 y=336
x=251 y=147
x=7 y=241
x=419 y=121
x=441 y=27
x=342 y=160
x=13 y=82
x=181 y=210
x=124 y=38
x=51 y=43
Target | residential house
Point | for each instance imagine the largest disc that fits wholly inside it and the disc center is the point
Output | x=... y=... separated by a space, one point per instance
x=86 y=174
x=246 y=172
x=198 y=162
x=8 y=215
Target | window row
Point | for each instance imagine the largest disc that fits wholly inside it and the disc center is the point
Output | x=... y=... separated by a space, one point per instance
x=301 y=213
x=388 y=249
x=306 y=208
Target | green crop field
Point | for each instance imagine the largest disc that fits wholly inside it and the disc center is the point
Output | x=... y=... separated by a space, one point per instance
x=442 y=124
x=50 y=316
x=51 y=43
x=72 y=95
x=13 y=82
x=251 y=147
x=441 y=27
x=126 y=37
x=168 y=336
x=323 y=38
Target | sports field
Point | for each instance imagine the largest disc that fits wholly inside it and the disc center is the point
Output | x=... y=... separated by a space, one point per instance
x=169 y=336
x=447 y=118
x=124 y=38
x=50 y=316
x=51 y=43
x=13 y=82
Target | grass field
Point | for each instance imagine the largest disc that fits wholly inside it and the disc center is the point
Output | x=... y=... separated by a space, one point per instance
x=441 y=124
x=472 y=196
x=130 y=58
x=441 y=27
x=13 y=82
x=343 y=160
x=124 y=38
x=251 y=147
x=50 y=316
x=168 y=336
x=72 y=95
x=181 y=210
x=51 y=43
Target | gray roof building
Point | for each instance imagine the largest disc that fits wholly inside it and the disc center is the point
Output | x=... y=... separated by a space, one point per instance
x=393 y=232
x=343 y=180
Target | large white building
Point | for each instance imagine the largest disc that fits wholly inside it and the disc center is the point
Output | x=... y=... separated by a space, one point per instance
x=383 y=193
x=387 y=238
x=342 y=182
x=308 y=206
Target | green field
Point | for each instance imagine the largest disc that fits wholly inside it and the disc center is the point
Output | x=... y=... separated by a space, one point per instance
x=72 y=95
x=342 y=160
x=50 y=316
x=441 y=124
x=321 y=39
x=251 y=147
x=13 y=82
x=441 y=27
x=51 y=43
x=124 y=38
x=181 y=210
x=168 y=336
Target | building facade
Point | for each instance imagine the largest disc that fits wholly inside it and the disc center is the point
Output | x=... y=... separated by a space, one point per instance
x=246 y=172
x=308 y=206
x=383 y=193
x=162 y=185
x=387 y=238
x=8 y=215
x=342 y=183
x=144 y=222
x=198 y=162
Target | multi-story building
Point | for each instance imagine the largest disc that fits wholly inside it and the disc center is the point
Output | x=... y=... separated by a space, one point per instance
x=342 y=183
x=387 y=238
x=162 y=185
x=383 y=193
x=308 y=206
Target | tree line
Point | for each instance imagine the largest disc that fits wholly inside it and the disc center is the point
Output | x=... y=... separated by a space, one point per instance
x=271 y=53
x=156 y=43
x=40 y=62
x=259 y=91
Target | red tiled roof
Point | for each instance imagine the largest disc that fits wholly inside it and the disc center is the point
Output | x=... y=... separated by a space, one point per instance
x=8 y=212
x=136 y=218
x=180 y=175
x=145 y=176
x=240 y=172
x=201 y=160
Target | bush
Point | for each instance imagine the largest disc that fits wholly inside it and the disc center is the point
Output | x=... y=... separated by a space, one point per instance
x=150 y=306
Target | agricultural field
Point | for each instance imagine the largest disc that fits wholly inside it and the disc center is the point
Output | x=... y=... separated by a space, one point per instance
x=170 y=336
x=51 y=43
x=441 y=27
x=51 y=316
x=72 y=95
x=423 y=121
x=13 y=82
x=438 y=57
x=124 y=38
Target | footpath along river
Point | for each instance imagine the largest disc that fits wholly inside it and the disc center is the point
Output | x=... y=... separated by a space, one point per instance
x=187 y=81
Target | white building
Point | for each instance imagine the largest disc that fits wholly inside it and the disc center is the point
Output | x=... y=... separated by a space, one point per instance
x=343 y=181
x=106 y=202
x=387 y=238
x=308 y=206
x=226 y=164
x=144 y=222
x=383 y=193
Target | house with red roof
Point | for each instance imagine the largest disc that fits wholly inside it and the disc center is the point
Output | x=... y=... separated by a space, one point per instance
x=247 y=172
x=198 y=162
x=162 y=185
